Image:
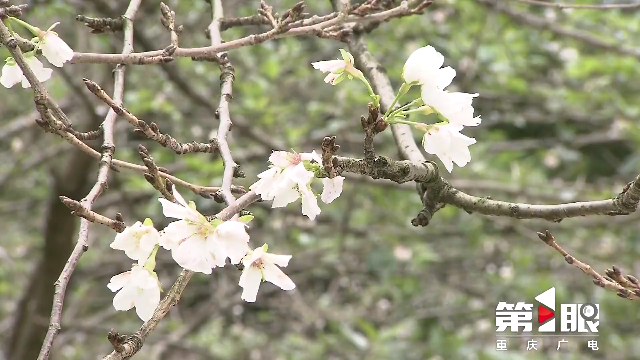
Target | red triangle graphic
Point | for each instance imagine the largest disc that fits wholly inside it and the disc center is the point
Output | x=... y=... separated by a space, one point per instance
x=544 y=314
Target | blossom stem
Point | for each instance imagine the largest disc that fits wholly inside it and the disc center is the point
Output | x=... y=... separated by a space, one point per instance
x=401 y=92
x=150 y=264
x=34 y=30
x=398 y=110
x=425 y=110
x=400 y=121
x=376 y=98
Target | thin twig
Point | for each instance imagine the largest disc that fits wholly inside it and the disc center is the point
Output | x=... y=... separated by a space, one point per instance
x=211 y=51
x=626 y=287
x=106 y=159
x=204 y=191
x=151 y=131
x=79 y=210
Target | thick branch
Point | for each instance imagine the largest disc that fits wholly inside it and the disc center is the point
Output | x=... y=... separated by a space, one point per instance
x=623 y=204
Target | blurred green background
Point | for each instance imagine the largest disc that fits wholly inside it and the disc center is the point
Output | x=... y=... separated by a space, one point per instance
x=559 y=125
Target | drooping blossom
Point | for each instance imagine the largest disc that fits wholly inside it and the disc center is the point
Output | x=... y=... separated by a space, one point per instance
x=197 y=244
x=338 y=69
x=54 y=48
x=12 y=74
x=448 y=144
x=139 y=288
x=137 y=241
x=262 y=266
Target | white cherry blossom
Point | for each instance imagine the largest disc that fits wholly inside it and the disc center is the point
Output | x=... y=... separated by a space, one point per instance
x=338 y=69
x=137 y=287
x=288 y=180
x=448 y=144
x=137 y=241
x=53 y=48
x=332 y=188
x=12 y=74
x=197 y=244
x=424 y=67
x=454 y=106
x=260 y=265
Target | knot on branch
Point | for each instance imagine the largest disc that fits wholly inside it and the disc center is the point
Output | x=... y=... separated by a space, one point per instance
x=123 y=344
x=13 y=10
x=431 y=194
x=329 y=150
x=628 y=199
x=101 y=25
x=372 y=125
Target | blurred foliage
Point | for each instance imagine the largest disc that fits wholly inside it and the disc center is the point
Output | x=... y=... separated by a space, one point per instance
x=559 y=124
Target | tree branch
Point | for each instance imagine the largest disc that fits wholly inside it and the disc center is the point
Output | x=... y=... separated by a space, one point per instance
x=210 y=52
x=626 y=287
x=108 y=149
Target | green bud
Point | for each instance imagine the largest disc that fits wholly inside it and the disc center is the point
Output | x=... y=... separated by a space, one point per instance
x=245 y=219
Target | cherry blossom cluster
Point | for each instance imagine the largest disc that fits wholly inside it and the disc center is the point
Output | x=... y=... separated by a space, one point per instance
x=453 y=109
x=196 y=244
x=54 y=49
x=289 y=179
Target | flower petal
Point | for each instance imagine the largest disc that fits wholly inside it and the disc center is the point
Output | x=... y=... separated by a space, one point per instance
x=42 y=74
x=193 y=254
x=55 y=49
x=280 y=260
x=329 y=65
x=278 y=278
x=250 y=282
x=177 y=211
x=421 y=64
x=234 y=239
x=11 y=75
x=280 y=159
x=310 y=206
x=313 y=155
x=332 y=188
x=146 y=303
x=117 y=282
x=125 y=298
